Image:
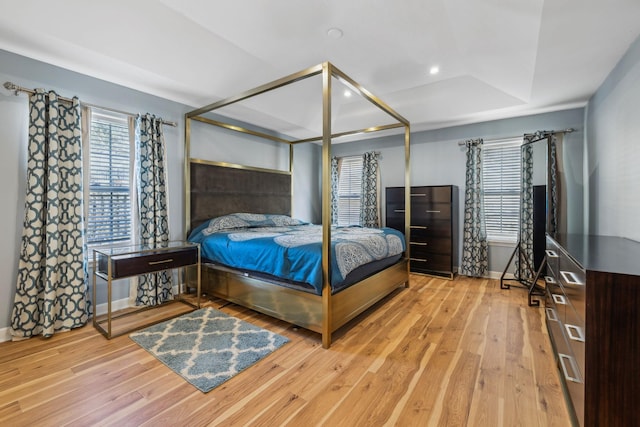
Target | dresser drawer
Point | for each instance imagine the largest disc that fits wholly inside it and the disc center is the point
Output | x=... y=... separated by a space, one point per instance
x=395 y=224
x=431 y=194
x=395 y=195
x=424 y=212
x=430 y=262
x=395 y=211
x=556 y=294
x=574 y=383
x=424 y=247
x=553 y=253
x=431 y=229
x=575 y=335
x=575 y=290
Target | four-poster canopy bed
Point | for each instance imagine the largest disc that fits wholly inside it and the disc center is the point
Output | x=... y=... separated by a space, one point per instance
x=216 y=191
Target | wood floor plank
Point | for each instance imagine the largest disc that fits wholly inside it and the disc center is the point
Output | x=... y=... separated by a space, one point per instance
x=489 y=393
x=457 y=397
x=441 y=352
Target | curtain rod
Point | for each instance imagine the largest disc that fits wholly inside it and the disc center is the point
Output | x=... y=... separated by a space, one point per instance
x=17 y=89
x=568 y=130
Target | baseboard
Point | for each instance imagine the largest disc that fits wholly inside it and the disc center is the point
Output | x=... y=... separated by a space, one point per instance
x=497 y=274
x=100 y=309
x=115 y=306
x=5 y=333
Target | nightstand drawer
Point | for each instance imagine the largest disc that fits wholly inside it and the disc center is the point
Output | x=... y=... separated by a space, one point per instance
x=148 y=262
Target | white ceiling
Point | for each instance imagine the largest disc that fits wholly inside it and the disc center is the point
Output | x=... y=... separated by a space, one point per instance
x=497 y=58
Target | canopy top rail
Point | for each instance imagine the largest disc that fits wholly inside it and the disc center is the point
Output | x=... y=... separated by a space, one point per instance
x=292 y=78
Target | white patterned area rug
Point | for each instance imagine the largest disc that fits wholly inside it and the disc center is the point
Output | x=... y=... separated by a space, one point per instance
x=207 y=347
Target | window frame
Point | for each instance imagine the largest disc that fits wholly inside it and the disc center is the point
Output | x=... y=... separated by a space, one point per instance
x=346 y=190
x=123 y=120
x=503 y=233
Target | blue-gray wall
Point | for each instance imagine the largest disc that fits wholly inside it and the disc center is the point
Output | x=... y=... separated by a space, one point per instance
x=437 y=159
x=613 y=151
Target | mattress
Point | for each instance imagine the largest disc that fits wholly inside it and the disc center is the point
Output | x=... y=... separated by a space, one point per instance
x=291 y=250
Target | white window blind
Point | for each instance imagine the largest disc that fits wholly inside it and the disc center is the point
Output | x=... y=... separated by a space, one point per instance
x=349 y=191
x=109 y=217
x=501 y=170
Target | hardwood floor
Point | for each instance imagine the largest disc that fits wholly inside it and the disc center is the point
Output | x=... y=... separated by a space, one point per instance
x=442 y=353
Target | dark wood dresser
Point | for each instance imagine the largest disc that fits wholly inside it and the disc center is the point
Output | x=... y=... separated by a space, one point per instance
x=593 y=317
x=433 y=226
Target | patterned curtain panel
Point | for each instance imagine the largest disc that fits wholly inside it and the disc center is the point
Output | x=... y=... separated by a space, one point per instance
x=526 y=215
x=474 y=245
x=553 y=175
x=370 y=205
x=51 y=292
x=153 y=225
x=335 y=179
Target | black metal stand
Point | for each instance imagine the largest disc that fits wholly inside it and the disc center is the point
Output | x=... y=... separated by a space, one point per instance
x=532 y=286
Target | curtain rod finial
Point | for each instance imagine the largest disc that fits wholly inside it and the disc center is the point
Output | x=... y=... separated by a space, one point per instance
x=12 y=86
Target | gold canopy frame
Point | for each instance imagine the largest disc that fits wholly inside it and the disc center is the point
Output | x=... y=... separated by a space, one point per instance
x=324 y=313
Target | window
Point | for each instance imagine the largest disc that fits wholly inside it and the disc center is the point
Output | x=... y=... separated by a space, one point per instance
x=109 y=201
x=501 y=169
x=349 y=190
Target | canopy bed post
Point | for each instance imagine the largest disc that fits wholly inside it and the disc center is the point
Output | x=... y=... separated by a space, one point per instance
x=326 y=205
x=407 y=194
x=187 y=176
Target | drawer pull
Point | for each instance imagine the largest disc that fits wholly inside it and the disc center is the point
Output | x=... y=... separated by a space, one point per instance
x=417 y=259
x=418 y=195
x=399 y=210
x=550 y=280
x=551 y=254
x=164 y=261
x=418 y=243
x=559 y=299
x=428 y=211
x=419 y=227
x=574 y=332
x=566 y=357
x=570 y=278
x=551 y=314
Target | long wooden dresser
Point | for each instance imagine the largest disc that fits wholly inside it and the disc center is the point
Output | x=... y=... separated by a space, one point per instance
x=433 y=226
x=593 y=317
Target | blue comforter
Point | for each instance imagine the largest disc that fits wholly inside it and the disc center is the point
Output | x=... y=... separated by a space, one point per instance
x=291 y=249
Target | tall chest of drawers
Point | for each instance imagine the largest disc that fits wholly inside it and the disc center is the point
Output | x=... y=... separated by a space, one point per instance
x=592 y=308
x=433 y=241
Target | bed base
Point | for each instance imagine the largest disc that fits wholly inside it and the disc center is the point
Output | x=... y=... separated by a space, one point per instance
x=300 y=308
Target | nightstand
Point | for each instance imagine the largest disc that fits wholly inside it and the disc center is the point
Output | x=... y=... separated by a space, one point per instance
x=118 y=262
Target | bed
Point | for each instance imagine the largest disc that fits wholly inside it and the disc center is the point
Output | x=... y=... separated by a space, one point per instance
x=217 y=192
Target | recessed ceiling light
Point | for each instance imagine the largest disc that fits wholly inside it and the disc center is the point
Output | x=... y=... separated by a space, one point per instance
x=434 y=70
x=347 y=93
x=334 y=33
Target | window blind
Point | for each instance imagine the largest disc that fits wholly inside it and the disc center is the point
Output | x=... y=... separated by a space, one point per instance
x=349 y=191
x=501 y=171
x=110 y=212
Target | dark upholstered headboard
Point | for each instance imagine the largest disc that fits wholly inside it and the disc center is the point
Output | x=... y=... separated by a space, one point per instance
x=220 y=189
